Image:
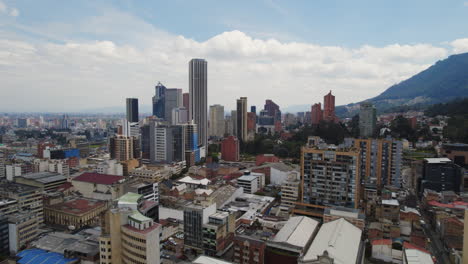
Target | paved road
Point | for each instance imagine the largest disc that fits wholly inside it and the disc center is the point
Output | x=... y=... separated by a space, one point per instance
x=435 y=246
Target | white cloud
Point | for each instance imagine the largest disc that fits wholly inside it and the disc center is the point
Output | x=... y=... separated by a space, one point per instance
x=91 y=74
x=6 y=10
x=460 y=45
x=14 y=12
x=465 y=3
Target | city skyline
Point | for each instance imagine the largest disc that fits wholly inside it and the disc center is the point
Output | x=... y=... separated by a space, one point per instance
x=94 y=59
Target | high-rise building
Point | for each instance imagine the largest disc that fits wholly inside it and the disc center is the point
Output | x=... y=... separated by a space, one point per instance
x=230 y=149
x=173 y=100
x=167 y=143
x=179 y=116
x=329 y=108
x=122 y=148
x=159 y=101
x=272 y=109
x=186 y=100
x=316 y=113
x=132 y=110
x=242 y=119
x=251 y=124
x=218 y=233
x=192 y=153
x=233 y=123
x=367 y=119
x=195 y=217
x=4 y=237
x=330 y=175
x=216 y=121
x=441 y=174
x=198 y=109
x=290 y=190
x=380 y=160
x=253 y=109
x=64 y=122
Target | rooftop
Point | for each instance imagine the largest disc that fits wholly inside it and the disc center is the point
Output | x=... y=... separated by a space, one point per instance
x=59 y=242
x=340 y=239
x=297 y=231
x=139 y=217
x=13 y=187
x=414 y=256
x=144 y=231
x=39 y=256
x=391 y=202
x=209 y=260
x=437 y=160
x=98 y=178
x=247 y=178
x=44 y=177
x=190 y=180
x=130 y=198
x=77 y=205
x=344 y=212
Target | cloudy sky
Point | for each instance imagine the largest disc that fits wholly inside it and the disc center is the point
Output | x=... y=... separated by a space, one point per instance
x=77 y=55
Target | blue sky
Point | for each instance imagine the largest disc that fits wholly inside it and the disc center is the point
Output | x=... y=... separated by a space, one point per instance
x=254 y=48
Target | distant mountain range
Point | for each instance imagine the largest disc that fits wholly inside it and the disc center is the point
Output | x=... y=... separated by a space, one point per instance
x=442 y=82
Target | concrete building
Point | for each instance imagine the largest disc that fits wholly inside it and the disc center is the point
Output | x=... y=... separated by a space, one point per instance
x=167 y=143
x=57 y=166
x=47 y=181
x=129 y=237
x=99 y=186
x=367 y=119
x=216 y=121
x=159 y=100
x=230 y=149
x=249 y=183
x=22 y=229
x=179 y=116
x=290 y=190
x=272 y=110
x=354 y=216
x=458 y=152
x=173 y=99
x=241 y=112
x=381 y=160
x=28 y=198
x=112 y=167
x=337 y=242
x=8 y=206
x=194 y=218
x=143 y=173
x=218 y=233
x=74 y=212
x=441 y=174
x=249 y=249
x=330 y=176
x=121 y=147
x=292 y=240
x=198 y=90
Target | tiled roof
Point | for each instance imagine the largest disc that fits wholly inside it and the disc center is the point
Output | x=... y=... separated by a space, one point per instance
x=98 y=178
x=77 y=206
x=382 y=242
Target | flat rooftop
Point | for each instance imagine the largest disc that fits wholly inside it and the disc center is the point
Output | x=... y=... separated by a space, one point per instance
x=44 y=177
x=438 y=160
x=77 y=205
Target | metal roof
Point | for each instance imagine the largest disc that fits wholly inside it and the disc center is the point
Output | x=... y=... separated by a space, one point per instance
x=297 y=231
x=340 y=239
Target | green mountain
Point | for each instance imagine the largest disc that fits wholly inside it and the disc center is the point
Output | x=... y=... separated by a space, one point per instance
x=444 y=81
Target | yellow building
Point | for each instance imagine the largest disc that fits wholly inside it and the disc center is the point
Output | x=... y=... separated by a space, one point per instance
x=75 y=211
x=128 y=236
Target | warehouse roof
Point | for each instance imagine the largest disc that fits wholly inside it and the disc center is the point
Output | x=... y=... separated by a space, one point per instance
x=297 y=231
x=340 y=239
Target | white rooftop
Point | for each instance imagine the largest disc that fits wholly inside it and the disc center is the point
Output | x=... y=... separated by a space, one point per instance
x=190 y=180
x=407 y=209
x=391 y=202
x=209 y=260
x=297 y=231
x=339 y=238
x=438 y=160
x=414 y=256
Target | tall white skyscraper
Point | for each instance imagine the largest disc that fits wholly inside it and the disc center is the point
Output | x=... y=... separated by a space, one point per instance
x=198 y=88
x=216 y=121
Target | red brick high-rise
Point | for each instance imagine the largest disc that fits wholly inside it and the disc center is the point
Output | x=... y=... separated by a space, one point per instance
x=329 y=107
x=316 y=114
x=230 y=149
x=251 y=121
